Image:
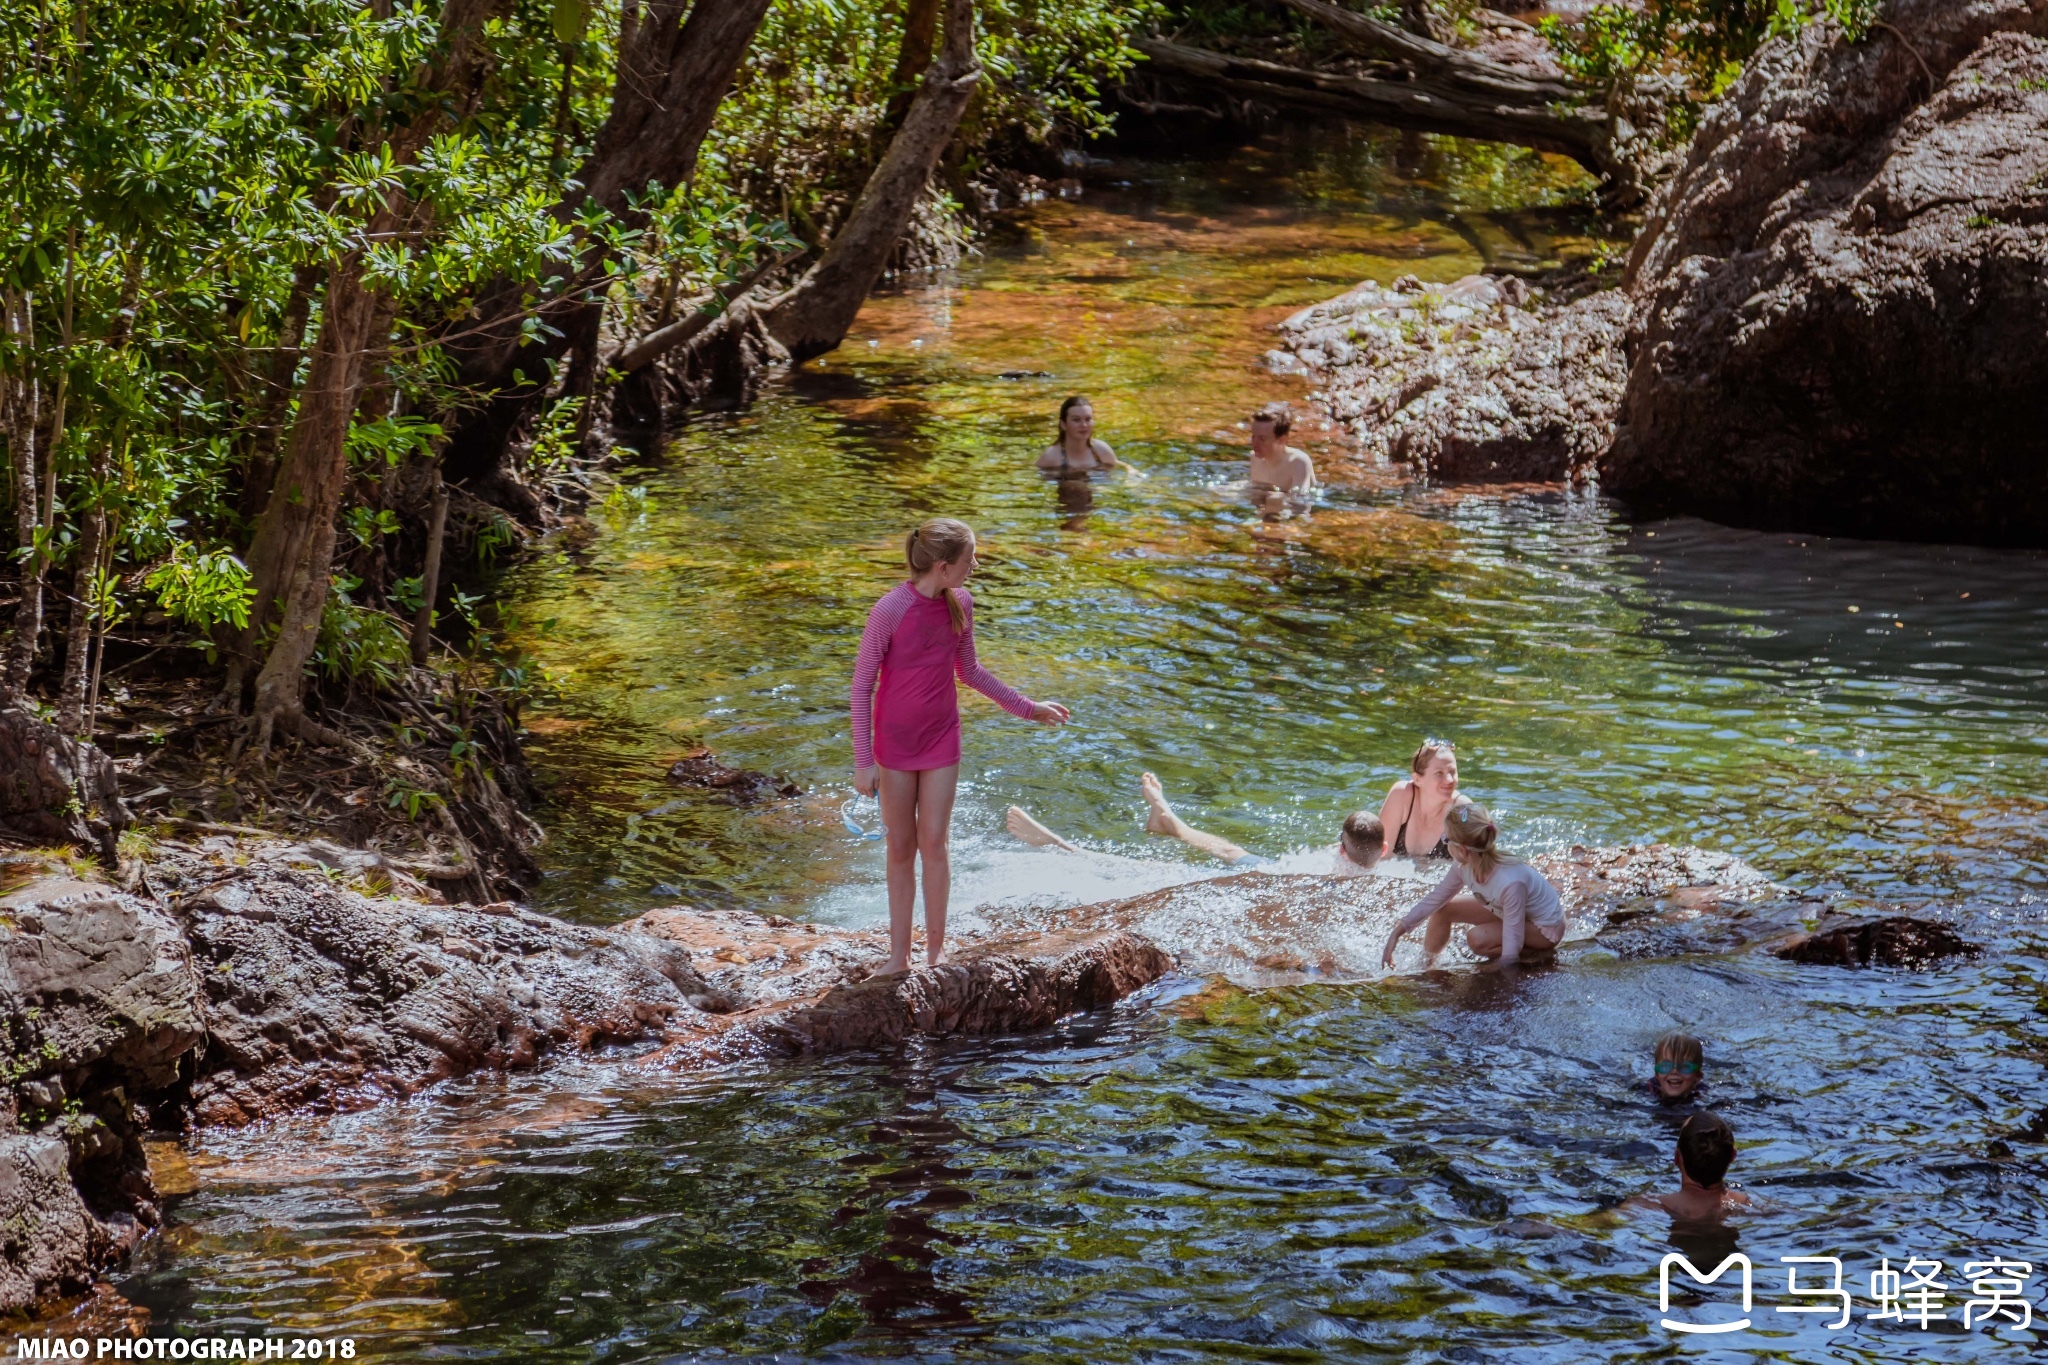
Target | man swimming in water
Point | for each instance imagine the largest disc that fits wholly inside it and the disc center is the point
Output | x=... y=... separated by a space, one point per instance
x=1358 y=845
x=1277 y=468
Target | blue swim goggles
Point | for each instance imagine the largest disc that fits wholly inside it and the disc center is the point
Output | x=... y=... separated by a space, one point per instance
x=855 y=827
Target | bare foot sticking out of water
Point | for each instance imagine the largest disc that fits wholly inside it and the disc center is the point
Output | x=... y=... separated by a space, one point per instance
x=1162 y=820
x=1022 y=826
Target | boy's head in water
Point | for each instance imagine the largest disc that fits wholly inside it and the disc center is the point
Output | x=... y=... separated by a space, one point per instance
x=1270 y=425
x=1706 y=1148
x=1681 y=1062
x=1363 y=838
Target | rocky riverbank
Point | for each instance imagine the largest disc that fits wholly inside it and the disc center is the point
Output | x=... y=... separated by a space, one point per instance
x=1829 y=321
x=246 y=979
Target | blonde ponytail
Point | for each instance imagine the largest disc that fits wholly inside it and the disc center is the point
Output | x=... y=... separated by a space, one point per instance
x=1472 y=829
x=942 y=540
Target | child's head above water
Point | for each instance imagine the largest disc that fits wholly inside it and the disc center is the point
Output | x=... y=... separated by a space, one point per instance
x=1706 y=1148
x=1681 y=1062
x=1363 y=838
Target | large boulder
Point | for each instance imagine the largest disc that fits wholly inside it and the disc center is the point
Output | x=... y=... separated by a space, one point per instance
x=57 y=789
x=320 y=998
x=100 y=1005
x=1462 y=381
x=1840 y=301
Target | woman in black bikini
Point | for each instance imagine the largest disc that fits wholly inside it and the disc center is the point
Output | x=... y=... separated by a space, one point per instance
x=1414 y=811
x=1077 y=452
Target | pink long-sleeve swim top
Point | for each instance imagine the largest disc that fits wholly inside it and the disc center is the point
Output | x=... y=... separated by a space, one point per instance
x=911 y=721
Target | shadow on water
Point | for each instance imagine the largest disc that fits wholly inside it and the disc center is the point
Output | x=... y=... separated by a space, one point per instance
x=909 y=1183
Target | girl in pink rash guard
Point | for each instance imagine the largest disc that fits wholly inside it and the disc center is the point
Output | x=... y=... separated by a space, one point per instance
x=906 y=721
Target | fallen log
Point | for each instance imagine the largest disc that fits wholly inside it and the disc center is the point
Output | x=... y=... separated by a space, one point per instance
x=1371 y=35
x=1469 y=100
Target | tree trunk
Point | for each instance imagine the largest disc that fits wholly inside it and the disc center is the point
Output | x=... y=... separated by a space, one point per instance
x=277 y=398
x=920 y=31
x=78 y=630
x=430 y=574
x=671 y=75
x=812 y=317
x=91 y=550
x=24 y=400
x=1474 y=108
x=292 y=558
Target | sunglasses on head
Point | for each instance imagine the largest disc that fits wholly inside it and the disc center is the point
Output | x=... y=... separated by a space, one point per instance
x=1665 y=1068
x=1432 y=742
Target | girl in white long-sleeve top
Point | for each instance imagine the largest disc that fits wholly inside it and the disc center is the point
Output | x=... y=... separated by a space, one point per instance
x=1512 y=909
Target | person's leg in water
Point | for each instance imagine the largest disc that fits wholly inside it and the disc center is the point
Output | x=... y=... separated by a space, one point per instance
x=1022 y=826
x=1163 y=821
x=917 y=813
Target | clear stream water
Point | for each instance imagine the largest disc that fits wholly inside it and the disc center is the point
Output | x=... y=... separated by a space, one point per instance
x=1323 y=1171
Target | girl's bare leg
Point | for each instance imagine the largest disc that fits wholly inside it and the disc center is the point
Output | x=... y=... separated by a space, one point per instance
x=1162 y=820
x=1484 y=939
x=898 y=794
x=1020 y=824
x=935 y=791
x=1461 y=910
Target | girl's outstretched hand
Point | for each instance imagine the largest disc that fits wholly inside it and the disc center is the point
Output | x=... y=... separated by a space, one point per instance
x=1050 y=713
x=1387 y=953
x=866 y=779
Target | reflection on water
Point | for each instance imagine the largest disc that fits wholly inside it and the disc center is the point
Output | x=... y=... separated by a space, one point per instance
x=1421 y=1170
x=1390 y=1172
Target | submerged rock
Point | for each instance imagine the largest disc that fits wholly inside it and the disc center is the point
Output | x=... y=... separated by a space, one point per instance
x=319 y=998
x=1839 y=300
x=1894 y=941
x=1270 y=929
x=741 y=786
x=101 y=1005
x=787 y=988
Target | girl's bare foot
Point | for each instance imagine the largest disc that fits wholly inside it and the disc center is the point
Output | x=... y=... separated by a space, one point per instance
x=1022 y=826
x=1162 y=820
x=894 y=968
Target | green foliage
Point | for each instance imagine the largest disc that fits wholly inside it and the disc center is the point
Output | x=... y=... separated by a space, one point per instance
x=392 y=439
x=806 y=121
x=1699 y=43
x=203 y=588
x=184 y=180
x=360 y=645
x=369 y=525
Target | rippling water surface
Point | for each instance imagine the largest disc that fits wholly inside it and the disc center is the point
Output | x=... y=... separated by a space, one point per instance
x=1322 y=1171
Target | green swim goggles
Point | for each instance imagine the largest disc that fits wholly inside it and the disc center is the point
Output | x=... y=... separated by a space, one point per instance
x=1682 y=1068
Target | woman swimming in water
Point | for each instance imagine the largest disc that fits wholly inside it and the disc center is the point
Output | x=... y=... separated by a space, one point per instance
x=1512 y=909
x=1077 y=451
x=1414 y=811
x=906 y=721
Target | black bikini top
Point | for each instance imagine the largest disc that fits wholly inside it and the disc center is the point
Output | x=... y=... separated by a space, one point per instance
x=1443 y=843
